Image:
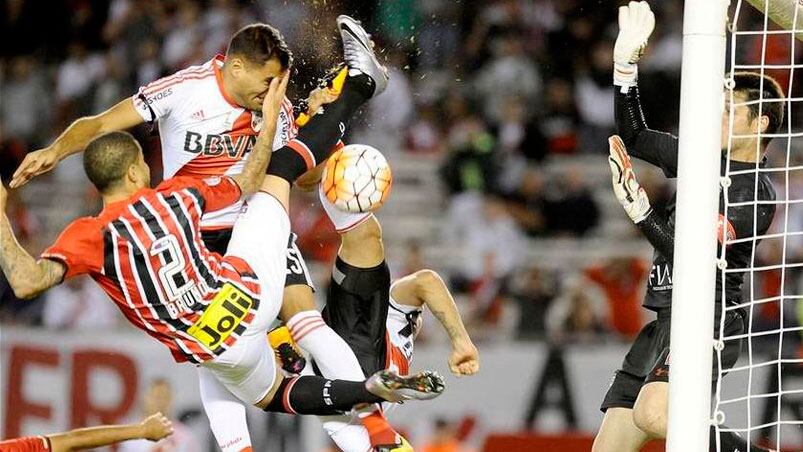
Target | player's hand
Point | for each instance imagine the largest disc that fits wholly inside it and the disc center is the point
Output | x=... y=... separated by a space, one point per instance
x=34 y=164
x=156 y=427
x=274 y=98
x=319 y=97
x=636 y=23
x=627 y=189
x=464 y=359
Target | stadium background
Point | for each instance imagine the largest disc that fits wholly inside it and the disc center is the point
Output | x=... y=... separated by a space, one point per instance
x=494 y=123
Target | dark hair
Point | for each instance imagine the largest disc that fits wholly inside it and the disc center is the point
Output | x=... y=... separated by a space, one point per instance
x=259 y=43
x=108 y=157
x=749 y=83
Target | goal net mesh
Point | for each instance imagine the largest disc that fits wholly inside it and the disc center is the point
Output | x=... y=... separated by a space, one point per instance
x=761 y=398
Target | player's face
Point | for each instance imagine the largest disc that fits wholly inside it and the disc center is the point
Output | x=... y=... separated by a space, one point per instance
x=141 y=172
x=743 y=124
x=253 y=80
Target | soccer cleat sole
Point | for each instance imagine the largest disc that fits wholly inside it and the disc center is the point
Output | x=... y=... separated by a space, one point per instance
x=396 y=388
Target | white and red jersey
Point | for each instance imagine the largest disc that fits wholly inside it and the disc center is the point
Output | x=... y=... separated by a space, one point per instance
x=203 y=132
x=400 y=336
x=146 y=253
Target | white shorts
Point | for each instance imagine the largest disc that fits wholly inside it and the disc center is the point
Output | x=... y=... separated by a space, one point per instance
x=260 y=235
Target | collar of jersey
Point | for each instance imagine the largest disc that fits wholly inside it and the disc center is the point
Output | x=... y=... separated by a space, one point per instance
x=219 y=77
x=123 y=203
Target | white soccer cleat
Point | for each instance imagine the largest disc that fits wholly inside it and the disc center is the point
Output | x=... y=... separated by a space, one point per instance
x=359 y=53
x=396 y=388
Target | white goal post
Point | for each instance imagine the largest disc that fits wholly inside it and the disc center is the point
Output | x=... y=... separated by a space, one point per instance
x=700 y=127
x=762 y=396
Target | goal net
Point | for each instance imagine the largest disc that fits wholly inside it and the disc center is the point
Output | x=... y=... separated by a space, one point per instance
x=761 y=398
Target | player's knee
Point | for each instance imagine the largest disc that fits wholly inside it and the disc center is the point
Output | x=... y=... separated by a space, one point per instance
x=426 y=277
x=649 y=414
x=368 y=231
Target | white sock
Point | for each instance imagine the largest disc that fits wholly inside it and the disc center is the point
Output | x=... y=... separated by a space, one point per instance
x=347 y=432
x=226 y=414
x=331 y=353
x=343 y=221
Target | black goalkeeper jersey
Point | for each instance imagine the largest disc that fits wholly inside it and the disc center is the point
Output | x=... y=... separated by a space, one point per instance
x=661 y=150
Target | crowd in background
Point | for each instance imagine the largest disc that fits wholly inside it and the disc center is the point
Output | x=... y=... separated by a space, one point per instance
x=490 y=90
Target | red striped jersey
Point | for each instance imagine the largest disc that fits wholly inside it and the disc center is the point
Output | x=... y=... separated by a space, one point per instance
x=203 y=132
x=147 y=254
x=27 y=444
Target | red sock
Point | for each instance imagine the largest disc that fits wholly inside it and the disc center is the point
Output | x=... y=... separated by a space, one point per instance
x=379 y=430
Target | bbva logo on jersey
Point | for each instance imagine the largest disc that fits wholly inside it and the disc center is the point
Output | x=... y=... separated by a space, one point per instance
x=213 y=144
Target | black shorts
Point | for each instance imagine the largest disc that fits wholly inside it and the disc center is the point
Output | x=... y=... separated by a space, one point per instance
x=297 y=273
x=648 y=359
x=357 y=309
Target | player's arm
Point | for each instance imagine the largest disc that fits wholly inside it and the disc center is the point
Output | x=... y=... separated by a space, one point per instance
x=152 y=428
x=636 y=22
x=27 y=276
x=426 y=287
x=250 y=179
x=119 y=117
x=635 y=201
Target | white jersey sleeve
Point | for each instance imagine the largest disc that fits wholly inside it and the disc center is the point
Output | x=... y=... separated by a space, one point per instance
x=158 y=99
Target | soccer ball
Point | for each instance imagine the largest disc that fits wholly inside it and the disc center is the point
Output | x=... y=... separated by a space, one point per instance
x=357 y=178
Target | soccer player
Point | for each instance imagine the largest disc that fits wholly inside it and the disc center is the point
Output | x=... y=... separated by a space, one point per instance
x=635 y=405
x=144 y=250
x=379 y=320
x=209 y=117
x=153 y=428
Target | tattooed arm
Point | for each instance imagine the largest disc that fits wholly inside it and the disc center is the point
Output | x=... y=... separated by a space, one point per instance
x=425 y=287
x=27 y=276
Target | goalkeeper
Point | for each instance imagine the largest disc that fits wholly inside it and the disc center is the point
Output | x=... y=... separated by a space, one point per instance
x=635 y=405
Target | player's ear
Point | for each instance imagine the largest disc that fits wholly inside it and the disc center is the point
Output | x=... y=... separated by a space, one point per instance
x=236 y=65
x=763 y=123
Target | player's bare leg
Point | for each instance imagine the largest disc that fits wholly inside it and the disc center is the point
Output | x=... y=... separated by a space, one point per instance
x=362 y=245
x=618 y=433
x=651 y=409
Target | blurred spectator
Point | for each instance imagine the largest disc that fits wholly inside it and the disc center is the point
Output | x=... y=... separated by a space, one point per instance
x=527 y=203
x=413 y=261
x=569 y=206
x=438 y=37
x=79 y=304
x=424 y=134
x=594 y=97
x=558 y=128
x=158 y=397
x=24 y=109
x=471 y=163
x=578 y=315
x=533 y=290
x=113 y=86
x=77 y=74
x=622 y=280
x=491 y=247
x=184 y=36
x=444 y=438
x=508 y=73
